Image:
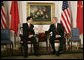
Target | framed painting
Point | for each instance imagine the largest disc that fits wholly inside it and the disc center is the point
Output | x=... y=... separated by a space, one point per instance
x=41 y=13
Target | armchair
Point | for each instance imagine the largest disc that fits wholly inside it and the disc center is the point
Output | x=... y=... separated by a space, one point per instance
x=75 y=38
x=5 y=39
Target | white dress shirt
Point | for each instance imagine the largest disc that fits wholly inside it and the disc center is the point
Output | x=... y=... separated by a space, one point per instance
x=56 y=25
x=28 y=24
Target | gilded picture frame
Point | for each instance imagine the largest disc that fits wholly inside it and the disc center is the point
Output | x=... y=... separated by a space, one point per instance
x=41 y=13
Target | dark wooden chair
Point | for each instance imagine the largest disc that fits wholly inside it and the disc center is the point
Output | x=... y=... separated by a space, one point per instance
x=58 y=41
x=43 y=39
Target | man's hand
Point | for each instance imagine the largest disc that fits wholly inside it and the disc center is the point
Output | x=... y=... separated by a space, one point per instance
x=36 y=28
x=30 y=36
x=42 y=31
x=57 y=36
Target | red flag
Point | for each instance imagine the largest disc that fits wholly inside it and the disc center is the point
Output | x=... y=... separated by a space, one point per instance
x=14 y=16
x=80 y=16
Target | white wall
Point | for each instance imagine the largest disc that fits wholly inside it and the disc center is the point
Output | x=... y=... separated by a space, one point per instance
x=58 y=9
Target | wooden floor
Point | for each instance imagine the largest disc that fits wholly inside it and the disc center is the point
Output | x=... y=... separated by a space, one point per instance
x=17 y=54
x=62 y=56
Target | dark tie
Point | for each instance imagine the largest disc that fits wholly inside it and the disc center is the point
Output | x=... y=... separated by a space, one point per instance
x=55 y=28
x=29 y=30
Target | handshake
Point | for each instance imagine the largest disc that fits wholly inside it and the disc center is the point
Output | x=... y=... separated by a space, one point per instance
x=37 y=29
x=40 y=30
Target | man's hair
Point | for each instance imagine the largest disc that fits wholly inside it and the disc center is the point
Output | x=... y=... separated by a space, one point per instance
x=28 y=18
x=55 y=18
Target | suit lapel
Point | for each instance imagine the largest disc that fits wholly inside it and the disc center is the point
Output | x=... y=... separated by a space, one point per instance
x=27 y=26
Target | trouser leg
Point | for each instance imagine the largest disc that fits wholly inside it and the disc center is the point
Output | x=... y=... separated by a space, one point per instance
x=33 y=40
x=25 y=46
x=61 y=44
x=52 y=43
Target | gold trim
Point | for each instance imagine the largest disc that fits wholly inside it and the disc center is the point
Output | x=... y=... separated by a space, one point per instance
x=79 y=5
x=41 y=3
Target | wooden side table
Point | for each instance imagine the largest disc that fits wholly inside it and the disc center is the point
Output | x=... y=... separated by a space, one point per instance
x=43 y=39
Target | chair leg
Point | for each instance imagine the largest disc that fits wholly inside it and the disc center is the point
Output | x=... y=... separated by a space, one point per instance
x=49 y=48
x=31 y=48
x=68 y=47
x=46 y=46
x=71 y=45
x=12 y=49
x=21 y=49
x=77 y=45
x=80 y=44
x=38 y=47
x=64 y=47
x=6 y=48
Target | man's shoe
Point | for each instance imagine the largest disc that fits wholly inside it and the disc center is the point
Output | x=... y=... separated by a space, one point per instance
x=36 y=54
x=57 y=54
x=25 y=56
x=53 y=52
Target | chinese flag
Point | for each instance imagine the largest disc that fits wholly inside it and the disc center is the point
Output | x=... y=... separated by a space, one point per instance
x=80 y=16
x=14 y=16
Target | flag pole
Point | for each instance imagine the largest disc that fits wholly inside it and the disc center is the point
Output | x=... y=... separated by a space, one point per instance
x=15 y=39
x=71 y=15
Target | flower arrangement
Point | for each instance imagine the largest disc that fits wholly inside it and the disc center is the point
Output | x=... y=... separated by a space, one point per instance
x=42 y=37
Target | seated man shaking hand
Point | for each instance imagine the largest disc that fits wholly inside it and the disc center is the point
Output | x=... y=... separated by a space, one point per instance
x=28 y=34
x=57 y=34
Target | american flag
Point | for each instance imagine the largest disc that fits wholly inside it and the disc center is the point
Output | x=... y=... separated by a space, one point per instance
x=3 y=17
x=65 y=17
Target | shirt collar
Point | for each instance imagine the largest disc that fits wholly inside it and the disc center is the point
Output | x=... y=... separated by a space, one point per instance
x=56 y=24
x=28 y=23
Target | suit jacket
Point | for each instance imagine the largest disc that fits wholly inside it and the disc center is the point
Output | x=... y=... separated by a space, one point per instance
x=26 y=29
x=56 y=31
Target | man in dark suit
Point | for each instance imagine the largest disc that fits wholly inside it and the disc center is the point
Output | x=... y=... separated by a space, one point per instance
x=28 y=34
x=57 y=34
